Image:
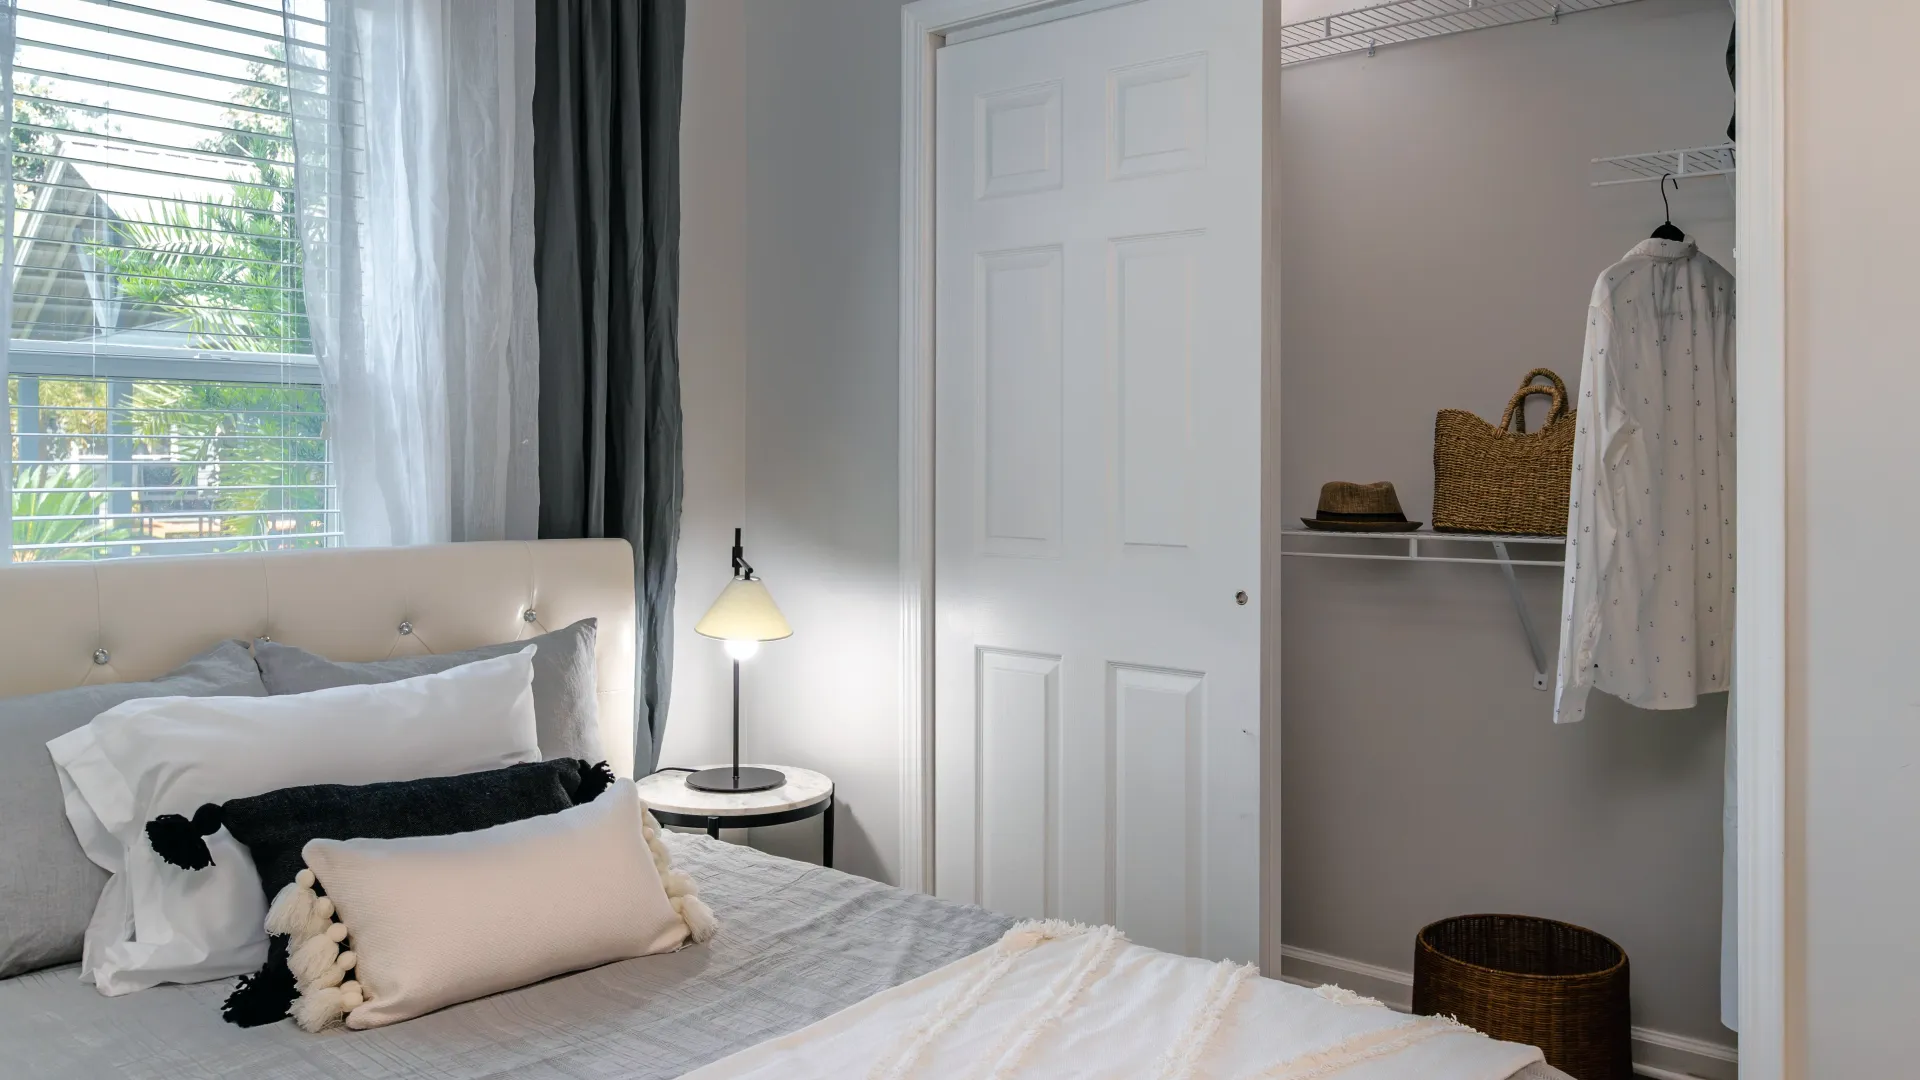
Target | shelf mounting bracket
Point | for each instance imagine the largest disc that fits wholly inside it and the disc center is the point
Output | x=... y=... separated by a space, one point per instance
x=1534 y=645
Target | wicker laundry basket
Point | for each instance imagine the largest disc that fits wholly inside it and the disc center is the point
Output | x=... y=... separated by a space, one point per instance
x=1550 y=984
x=1489 y=479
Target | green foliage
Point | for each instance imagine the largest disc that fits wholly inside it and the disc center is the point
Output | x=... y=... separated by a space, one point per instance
x=62 y=511
x=250 y=458
x=267 y=435
x=229 y=267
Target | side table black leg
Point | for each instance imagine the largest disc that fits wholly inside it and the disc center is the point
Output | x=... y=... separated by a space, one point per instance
x=826 y=835
x=713 y=827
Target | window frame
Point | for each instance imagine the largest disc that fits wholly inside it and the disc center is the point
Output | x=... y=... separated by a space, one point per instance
x=41 y=359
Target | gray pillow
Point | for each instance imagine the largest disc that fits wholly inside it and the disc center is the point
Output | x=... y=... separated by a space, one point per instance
x=566 y=705
x=48 y=886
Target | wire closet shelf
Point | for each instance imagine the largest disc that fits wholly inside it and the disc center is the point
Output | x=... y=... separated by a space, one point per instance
x=1401 y=21
x=1650 y=168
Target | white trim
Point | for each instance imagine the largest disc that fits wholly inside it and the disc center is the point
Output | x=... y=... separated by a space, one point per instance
x=1659 y=1054
x=916 y=437
x=1391 y=986
x=1271 y=521
x=1686 y=1044
x=924 y=24
x=1761 y=617
x=1656 y=1073
x=118 y=360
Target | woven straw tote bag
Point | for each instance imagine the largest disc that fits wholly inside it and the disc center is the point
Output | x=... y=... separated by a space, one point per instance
x=1490 y=479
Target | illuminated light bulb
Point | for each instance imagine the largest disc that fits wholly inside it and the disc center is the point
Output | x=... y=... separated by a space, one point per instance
x=742 y=648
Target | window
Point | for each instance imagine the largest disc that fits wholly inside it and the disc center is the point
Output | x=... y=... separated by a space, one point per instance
x=162 y=392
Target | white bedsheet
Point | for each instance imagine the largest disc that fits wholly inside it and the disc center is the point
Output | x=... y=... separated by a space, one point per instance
x=1053 y=999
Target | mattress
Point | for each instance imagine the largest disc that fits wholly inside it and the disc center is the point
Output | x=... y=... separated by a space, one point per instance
x=797 y=943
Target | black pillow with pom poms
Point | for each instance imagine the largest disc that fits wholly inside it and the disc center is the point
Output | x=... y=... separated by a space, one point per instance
x=277 y=825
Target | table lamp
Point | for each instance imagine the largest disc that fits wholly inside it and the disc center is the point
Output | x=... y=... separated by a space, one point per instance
x=743 y=617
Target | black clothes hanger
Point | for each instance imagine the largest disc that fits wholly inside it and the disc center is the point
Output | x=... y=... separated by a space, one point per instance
x=1668 y=231
x=1732 y=122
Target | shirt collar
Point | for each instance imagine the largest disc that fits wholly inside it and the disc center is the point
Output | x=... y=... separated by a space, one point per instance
x=1664 y=249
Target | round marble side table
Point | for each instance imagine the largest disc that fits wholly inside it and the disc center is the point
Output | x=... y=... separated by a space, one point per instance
x=805 y=794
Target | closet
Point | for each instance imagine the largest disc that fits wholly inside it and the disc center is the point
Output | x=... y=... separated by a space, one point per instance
x=1454 y=178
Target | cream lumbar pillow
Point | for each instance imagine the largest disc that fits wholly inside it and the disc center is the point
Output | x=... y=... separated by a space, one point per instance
x=411 y=925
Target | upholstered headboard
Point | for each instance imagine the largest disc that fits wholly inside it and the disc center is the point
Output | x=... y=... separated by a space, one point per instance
x=63 y=624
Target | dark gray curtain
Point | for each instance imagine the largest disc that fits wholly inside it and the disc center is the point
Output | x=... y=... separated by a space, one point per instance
x=606 y=121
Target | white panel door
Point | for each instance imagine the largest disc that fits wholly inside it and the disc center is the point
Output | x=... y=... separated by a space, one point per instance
x=1097 y=472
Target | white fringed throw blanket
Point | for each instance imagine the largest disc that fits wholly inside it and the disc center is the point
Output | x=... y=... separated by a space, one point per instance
x=1054 y=999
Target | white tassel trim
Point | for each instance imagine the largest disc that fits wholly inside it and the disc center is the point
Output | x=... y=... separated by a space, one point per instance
x=320 y=1008
x=682 y=892
x=317 y=955
x=699 y=917
x=313 y=960
x=292 y=909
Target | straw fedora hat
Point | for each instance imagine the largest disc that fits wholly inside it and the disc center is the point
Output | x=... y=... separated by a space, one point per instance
x=1346 y=507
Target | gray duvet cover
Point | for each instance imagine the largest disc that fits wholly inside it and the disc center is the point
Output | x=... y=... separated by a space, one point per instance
x=796 y=944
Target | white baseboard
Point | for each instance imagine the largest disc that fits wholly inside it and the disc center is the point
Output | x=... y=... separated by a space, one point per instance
x=1658 y=1054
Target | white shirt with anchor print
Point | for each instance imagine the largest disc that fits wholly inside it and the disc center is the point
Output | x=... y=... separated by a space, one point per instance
x=1647 y=614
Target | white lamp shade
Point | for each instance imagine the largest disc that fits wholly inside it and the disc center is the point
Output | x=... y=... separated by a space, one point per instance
x=745 y=611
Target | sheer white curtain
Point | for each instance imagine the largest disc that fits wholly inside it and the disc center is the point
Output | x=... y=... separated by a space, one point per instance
x=413 y=132
x=6 y=297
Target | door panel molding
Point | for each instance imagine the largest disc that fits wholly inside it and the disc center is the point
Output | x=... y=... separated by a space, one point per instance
x=1156 y=713
x=1017 y=781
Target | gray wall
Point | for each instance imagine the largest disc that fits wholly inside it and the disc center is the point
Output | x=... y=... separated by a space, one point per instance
x=713 y=358
x=822 y=198
x=1853 y=372
x=1440 y=239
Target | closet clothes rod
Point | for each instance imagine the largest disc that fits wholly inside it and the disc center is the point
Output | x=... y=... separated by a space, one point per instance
x=1399 y=22
x=1500 y=556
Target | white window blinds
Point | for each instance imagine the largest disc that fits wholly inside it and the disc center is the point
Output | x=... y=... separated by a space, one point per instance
x=162 y=392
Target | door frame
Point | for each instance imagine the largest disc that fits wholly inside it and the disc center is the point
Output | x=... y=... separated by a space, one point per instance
x=1760 y=619
x=1760 y=622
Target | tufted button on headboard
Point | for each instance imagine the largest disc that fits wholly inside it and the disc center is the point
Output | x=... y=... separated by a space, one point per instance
x=64 y=624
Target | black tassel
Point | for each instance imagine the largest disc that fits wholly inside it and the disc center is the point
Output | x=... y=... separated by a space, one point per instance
x=596 y=779
x=266 y=996
x=181 y=841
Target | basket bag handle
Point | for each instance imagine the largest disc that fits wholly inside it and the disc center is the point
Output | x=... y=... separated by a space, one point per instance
x=1516 y=415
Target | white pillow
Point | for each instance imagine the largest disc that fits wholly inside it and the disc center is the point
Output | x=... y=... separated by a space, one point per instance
x=430 y=921
x=152 y=756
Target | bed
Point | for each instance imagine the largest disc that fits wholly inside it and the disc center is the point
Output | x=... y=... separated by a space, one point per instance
x=798 y=943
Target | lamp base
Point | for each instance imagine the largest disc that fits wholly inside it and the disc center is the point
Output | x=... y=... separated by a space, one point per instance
x=723 y=779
